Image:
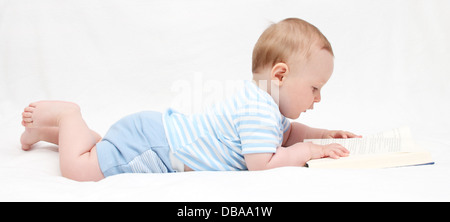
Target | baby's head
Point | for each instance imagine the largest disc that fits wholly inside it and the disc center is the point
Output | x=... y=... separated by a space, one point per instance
x=292 y=60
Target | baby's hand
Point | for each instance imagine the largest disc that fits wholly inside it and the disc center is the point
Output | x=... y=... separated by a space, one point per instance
x=333 y=150
x=328 y=134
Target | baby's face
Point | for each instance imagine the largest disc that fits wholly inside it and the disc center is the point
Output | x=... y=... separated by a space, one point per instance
x=301 y=89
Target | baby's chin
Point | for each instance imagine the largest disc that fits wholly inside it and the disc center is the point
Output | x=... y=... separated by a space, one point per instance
x=293 y=115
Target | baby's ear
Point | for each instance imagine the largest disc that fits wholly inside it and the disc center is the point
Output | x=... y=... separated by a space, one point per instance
x=279 y=72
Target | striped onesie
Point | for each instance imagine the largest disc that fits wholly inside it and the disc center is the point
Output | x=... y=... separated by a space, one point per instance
x=217 y=139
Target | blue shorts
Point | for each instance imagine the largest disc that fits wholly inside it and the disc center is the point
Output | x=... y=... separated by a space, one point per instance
x=135 y=144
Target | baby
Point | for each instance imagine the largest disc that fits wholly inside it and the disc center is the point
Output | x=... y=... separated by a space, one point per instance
x=292 y=61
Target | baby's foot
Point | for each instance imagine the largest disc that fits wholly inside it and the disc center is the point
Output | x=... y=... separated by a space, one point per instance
x=30 y=137
x=47 y=113
x=33 y=135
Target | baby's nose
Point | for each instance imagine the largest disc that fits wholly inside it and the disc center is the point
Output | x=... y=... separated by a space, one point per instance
x=317 y=98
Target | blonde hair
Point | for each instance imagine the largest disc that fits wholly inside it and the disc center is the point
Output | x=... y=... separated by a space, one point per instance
x=283 y=39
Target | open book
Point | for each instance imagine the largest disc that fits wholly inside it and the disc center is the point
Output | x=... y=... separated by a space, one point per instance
x=391 y=148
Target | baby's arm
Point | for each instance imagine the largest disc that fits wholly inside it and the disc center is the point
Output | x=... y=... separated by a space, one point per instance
x=295 y=155
x=298 y=132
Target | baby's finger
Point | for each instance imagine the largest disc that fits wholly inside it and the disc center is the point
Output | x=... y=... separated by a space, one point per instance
x=349 y=135
x=340 y=150
x=336 y=145
x=344 y=150
x=328 y=137
x=352 y=135
x=343 y=134
x=333 y=155
x=336 y=154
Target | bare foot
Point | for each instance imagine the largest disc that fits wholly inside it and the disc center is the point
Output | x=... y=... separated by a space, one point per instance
x=47 y=113
x=33 y=135
x=29 y=137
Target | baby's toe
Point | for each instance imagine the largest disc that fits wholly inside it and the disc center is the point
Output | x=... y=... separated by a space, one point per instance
x=29 y=109
x=28 y=122
x=27 y=115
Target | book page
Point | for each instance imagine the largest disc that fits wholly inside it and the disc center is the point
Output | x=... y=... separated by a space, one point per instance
x=358 y=146
x=402 y=133
x=396 y=140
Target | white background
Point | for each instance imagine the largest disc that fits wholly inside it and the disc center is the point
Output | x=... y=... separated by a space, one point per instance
x=113 y=58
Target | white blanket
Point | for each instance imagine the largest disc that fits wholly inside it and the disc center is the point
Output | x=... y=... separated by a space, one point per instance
x=114 y=58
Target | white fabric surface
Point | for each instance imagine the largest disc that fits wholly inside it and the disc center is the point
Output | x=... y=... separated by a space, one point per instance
x=113 y=58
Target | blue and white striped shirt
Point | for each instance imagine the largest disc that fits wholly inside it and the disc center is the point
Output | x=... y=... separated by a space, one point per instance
x=217 y=139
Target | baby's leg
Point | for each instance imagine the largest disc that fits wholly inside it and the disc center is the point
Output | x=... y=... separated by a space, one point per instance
x=48 y=134
x=78 y=156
